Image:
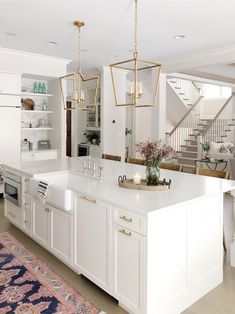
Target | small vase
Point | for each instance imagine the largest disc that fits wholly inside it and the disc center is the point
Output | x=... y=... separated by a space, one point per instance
x=152 y=175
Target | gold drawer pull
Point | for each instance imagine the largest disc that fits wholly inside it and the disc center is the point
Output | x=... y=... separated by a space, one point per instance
x=126 y=218
x=47 y=210
x=128 y=233
x=12 y=215
x=85 y=198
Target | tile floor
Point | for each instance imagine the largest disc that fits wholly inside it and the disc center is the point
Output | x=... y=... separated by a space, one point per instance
x=219 y=301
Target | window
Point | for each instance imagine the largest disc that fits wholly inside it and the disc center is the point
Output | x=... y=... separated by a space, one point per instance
x=215 y=91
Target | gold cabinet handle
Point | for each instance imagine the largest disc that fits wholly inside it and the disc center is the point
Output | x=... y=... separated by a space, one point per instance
x=47 y=210
x=85 y=198
x=128 y=233
x=25 y=221
x=128 y=219
x=12 y=215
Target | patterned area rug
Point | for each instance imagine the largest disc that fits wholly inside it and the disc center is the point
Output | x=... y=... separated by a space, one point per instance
x=28 y=286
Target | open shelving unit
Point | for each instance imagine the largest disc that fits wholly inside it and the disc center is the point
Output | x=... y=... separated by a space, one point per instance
x=41 y=123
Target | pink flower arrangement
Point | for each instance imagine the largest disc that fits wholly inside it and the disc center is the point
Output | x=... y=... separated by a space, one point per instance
x=154 y=152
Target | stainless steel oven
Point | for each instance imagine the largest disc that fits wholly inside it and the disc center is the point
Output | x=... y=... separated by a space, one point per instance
x=12 y=188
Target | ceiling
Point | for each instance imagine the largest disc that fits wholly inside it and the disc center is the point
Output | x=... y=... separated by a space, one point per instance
x=29 y=25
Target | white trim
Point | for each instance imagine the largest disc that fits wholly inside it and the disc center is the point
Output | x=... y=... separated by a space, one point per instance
x=222 y=55
x=27 y=54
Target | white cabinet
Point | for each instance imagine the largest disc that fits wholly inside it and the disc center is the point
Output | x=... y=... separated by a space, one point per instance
x=27 y=221
x=10 y=83
x=41 y=223
x=54 y=229
x=92 y=240
x=39 y=155
x=13 y=212
x=129 y=259
x=129 y=268
x=61 y=234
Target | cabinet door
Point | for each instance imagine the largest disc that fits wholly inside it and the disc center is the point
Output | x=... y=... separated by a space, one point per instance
x=27 y=221
x=10 y=83
x=92 y=238
x=13 y=212
x=40 y=222
x=61 y=234
x=129 y=268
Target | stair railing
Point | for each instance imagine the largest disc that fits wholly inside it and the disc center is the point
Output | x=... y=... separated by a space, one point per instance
x=221 y=124
x=185 y=126
x=186 y=90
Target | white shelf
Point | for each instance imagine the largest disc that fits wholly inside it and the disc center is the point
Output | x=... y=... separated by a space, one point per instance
x=36 y=111
x=93 y=129
x=36 y=94
x=35 y=129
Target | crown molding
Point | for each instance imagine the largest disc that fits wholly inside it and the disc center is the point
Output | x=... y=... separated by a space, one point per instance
x=35 y=55
x=217 y=56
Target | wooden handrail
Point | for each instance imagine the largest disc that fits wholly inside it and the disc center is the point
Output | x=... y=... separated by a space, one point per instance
x=217 y=115
x=186 y=114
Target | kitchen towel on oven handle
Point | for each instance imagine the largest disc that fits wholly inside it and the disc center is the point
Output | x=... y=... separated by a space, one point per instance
x=42 y=191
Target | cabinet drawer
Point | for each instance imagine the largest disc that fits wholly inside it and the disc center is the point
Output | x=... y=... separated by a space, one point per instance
x=130 y=220
x=45 y=155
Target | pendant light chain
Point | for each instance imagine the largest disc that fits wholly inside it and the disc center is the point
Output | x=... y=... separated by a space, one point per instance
x=79 y=53
x=136 y=24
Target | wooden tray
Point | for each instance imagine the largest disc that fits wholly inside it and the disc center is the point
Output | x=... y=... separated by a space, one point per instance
x=128 y=184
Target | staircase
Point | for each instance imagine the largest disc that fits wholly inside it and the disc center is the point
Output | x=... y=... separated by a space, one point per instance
x=192 y=130
x=186 y=90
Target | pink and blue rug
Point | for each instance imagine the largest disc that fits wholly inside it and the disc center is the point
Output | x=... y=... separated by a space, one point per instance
x=28 y=286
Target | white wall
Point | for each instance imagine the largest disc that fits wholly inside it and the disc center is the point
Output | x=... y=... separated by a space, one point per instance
x=112 y=134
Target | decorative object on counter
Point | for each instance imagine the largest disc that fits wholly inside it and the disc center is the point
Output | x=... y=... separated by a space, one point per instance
x=123 y=182
x=29 y=286
x=44 y=144
x=134 y=71
x=153 y=153
x=136 y=178
x=206 y=149
x=27 y=104
x=76 y=83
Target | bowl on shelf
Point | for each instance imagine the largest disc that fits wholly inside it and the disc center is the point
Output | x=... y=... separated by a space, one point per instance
x=28 y=104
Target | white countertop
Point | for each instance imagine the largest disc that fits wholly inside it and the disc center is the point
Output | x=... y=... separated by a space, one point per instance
x=185 y=187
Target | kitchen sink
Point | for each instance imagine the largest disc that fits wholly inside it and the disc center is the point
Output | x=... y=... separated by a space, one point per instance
x=59 y=193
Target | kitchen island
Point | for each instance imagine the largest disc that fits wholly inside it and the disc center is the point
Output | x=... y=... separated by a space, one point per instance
x=155 y=252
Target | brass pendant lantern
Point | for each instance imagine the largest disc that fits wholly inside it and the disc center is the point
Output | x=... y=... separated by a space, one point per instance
x=79 y=90
x=142 y=79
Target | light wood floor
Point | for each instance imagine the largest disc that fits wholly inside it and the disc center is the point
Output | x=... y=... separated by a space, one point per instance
x=219 y=301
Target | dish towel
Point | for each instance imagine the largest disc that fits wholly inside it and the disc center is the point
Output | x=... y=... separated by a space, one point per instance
x=42 y=191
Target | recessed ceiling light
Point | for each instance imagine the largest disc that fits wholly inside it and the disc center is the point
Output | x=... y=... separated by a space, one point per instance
x=10 y=34
x=52 y=43
x=179 y=36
